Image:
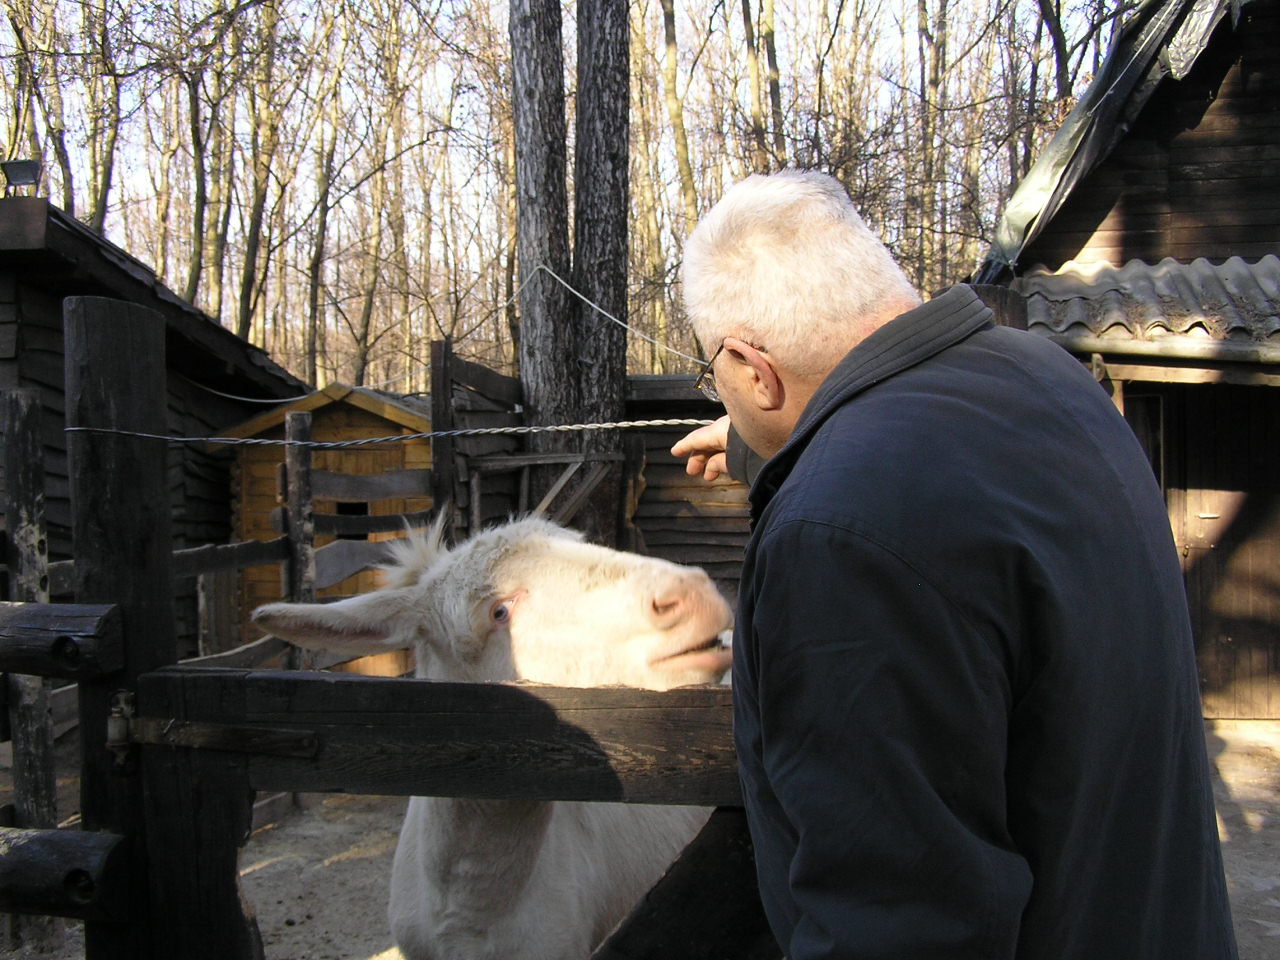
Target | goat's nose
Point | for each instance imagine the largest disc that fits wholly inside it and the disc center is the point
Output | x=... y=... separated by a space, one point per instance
x=669 y=608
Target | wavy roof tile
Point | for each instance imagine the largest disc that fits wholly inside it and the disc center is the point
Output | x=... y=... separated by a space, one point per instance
x=1228 y=308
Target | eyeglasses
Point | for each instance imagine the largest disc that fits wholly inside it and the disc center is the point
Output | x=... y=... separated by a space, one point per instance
x=706 y=382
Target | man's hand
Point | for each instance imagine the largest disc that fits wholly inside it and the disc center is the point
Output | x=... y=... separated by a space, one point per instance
x=705 y=448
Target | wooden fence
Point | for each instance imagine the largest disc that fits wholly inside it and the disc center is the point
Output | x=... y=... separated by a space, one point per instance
x=172 y=754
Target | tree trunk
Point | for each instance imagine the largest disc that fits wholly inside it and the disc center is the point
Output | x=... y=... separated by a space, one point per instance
x=759 y=152
x=675 y=114
x=548 y=345
x=264 y=141
x=200 y=188
x=600 y=238
x=775 y=87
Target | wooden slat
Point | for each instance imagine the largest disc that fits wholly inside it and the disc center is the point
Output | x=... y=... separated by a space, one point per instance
x=229 y=556
x=344 y=558
x=115 y=379
x=505 y=390
x=71 y=641
x=327 y=485
x=265 y=653
x=707 y=905
x=341 y=525
x=478 y=740
x=63 y=873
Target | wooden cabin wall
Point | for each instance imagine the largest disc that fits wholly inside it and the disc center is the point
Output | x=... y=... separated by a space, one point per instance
x=466 y=396
x=31 y=357
x=687 y=520
x=254 y=485
x=32 y=360
x=1195 y=176
x=1220 y=452
x=682 y=518
x=200 y=490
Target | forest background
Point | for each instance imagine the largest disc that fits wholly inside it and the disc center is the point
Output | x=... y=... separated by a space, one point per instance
x=336 y=182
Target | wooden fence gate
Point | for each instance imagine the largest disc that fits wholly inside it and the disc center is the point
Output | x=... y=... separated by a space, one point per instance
x=172 y=754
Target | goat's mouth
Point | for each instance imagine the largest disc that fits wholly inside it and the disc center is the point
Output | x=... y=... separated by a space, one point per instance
x=710 y=656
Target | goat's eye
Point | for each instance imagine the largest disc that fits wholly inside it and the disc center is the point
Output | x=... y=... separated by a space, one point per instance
x=500 y=612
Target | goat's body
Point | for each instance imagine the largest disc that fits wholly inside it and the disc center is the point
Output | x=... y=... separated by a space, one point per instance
x=527 y=880
x=501 y=879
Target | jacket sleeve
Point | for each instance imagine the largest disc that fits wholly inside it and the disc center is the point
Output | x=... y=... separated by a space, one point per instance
x=870 y=717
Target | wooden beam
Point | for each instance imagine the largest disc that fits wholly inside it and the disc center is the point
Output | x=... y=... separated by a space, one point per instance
x=444 y=475
x=300 y=516
x=70 y=641
x=115 y=381
x=64 y=873
x=27 y=716
x=418 y=737
x=496 y=386
x=706 y=907
x=344 y=558
x=229 y=556
x=327 y=485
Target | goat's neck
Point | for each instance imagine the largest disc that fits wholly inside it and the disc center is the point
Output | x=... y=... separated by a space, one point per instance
x=486 y=847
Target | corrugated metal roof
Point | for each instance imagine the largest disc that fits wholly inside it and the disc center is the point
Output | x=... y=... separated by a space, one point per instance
x=1232 y=304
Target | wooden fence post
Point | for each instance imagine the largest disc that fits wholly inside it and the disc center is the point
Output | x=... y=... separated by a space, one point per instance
x=301 y=506
x=116 y=381
x=443 y=470
x=27 y=557
x=300 y=521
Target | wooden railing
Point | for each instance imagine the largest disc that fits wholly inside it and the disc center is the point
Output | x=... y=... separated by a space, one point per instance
x=154 y=875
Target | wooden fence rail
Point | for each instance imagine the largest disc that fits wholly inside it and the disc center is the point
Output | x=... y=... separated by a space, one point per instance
x=172 y=755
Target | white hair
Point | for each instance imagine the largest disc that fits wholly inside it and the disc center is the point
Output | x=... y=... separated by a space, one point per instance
x=785 y=262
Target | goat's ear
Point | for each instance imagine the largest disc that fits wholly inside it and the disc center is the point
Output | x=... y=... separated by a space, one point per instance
x=370 y=623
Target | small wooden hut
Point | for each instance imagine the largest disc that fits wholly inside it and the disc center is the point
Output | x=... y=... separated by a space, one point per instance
x=339 y=413
x=1144 y=241
x=46 y=256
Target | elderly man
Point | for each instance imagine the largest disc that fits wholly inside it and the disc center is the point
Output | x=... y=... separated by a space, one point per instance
x=965 y=690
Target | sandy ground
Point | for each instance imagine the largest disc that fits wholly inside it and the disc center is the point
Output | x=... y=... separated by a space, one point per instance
x=318 y=878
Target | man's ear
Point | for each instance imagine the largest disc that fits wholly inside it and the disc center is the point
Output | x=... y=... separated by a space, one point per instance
x=767 y=389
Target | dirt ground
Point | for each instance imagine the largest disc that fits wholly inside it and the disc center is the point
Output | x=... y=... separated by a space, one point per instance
x=318 y=878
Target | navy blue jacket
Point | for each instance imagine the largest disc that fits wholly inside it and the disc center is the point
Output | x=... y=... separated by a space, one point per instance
x=966 y=702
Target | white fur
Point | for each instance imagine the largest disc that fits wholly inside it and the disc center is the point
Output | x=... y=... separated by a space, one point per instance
x=502 y=879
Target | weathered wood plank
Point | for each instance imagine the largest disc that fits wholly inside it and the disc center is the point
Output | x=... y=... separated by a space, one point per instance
x=299 y=516
x=325 y=484
x=344 y=558
x=229 y=556
x=340 y=525
x=115 y=380
x=405 y=737
x=652 y=387
x=193 y=561
x=706 y=907
x=505 y=390
x=27 y=715
x=199 y=914
x=265 y=653
x=64 y=873
x=356 y=526
x=71 y=641
x=444 y=475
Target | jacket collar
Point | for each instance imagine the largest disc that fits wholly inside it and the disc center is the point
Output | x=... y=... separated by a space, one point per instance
x=903 y=342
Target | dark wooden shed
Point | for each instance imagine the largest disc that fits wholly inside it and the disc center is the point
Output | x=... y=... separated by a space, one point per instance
x=45 y=256
x=1146 y=244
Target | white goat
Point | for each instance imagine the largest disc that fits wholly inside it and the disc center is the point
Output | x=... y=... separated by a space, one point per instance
x=526 y=601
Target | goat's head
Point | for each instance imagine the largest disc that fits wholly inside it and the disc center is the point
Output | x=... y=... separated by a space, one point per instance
x=527 y=601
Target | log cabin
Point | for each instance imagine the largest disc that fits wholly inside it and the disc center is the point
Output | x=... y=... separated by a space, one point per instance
x=1144 y=240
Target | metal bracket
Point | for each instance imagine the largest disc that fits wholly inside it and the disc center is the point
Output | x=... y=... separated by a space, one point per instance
x=264 y=741
x=118 y=723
